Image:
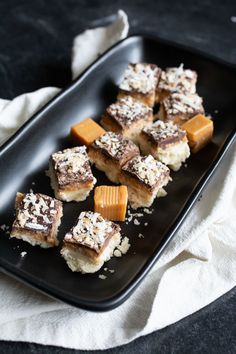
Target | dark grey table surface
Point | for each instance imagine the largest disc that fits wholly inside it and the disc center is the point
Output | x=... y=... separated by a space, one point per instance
x=35 y=48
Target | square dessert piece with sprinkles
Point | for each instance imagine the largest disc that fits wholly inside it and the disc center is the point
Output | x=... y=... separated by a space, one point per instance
x=127 y=116
x=176 y=80
x=110 y=152
x=38 y=217
x=90 y=243
x=145 y=178
x=71 y=175
x=166 y=142
x=140 y=81
x=179 y=107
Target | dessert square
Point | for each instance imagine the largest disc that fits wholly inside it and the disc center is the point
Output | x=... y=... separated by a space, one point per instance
x=38 y=217
x=127 y=117
x=71 y=175
x=111 y=202
x=90 y=243
x=199 y=131
x=145 y=178
x=179 y=107
x=140 y=81
x=176 y=80
x=166 y=142
x=85 y=132
x=110 y=152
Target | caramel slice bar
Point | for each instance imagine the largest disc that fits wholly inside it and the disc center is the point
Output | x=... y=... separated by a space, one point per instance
x=145 y=178
x=111 y=202
x=90 y=243
x=166 y=142
x=38 y=217
x=199 y=132
x=178 y=108
x=71 y=175
x=127 y=116
x=140 y=81
x=176 y=80
x=85 y=132
x=110 y=152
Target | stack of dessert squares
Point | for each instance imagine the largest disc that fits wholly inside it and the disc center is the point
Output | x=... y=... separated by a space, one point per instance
x=134 y=147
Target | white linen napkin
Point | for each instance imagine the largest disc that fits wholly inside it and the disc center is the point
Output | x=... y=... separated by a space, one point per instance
x=197 y=267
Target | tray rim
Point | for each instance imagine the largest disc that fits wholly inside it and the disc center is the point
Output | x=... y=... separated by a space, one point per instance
x=122 y=295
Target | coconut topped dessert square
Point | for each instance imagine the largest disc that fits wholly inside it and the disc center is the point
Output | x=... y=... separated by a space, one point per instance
x=116 y=147
x=167 y=142
x=147 y=170
x=91 y=231
x=177 y=80
x=90 y=243
x=163 y=134
x=127 y=116
x=179 y=107
x=72 y=166
x=140 y=78
x=37 y=219
x=127 y=111
x=71 y=175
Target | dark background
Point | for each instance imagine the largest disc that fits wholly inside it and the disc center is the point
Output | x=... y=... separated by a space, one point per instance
x=35 y=48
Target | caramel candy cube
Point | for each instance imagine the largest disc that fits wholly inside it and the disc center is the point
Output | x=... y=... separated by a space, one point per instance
x=199 y=131
x=86 y=132
x=111 y=202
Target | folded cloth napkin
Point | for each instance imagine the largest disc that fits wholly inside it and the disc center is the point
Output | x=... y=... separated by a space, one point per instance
x=197 y=267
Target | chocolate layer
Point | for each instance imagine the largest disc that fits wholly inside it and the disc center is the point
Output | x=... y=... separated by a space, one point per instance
x=116 y=147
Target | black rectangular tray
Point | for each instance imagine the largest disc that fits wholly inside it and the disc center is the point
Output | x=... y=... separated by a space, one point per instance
x=24 y=159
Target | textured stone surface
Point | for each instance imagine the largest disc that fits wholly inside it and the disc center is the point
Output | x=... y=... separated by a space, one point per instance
x=35 y=47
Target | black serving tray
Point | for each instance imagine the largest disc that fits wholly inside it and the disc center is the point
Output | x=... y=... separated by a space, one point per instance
x=24 y=159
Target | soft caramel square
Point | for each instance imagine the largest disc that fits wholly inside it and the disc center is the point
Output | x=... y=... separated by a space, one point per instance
x=111 y=202
x=199 y=131
x=86 y=132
